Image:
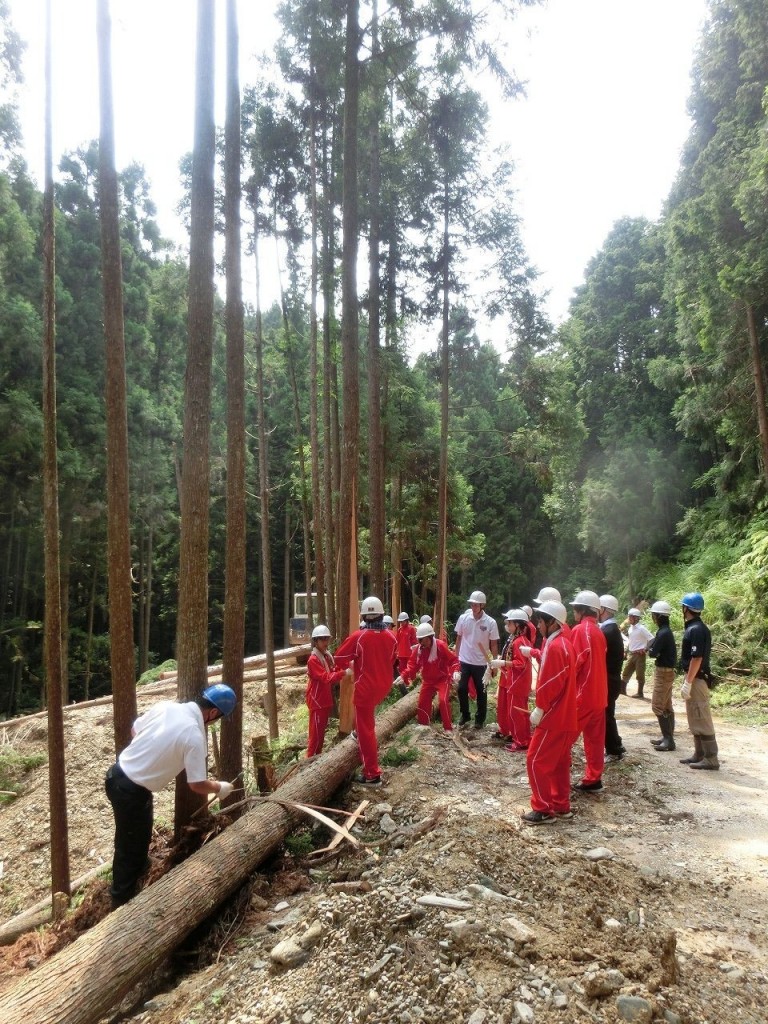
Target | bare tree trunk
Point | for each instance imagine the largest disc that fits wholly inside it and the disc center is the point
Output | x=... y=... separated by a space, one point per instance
x=330 y=436
x=441 y=581
x=234 y=594
x=266 y=552
x=192 y=622
x=122 y=657
x=65 y=565
x=89 y=639
x=375 y=426
x=314 y=383
x=350 y=316
x=757 y=372
x=57 y=789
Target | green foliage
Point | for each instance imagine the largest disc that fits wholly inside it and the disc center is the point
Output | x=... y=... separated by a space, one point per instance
x=400 y=752
x=299 y=843
x=153 y=674
x=13 y=767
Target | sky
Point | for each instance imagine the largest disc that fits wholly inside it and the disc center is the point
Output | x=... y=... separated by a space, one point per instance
x=597 y=137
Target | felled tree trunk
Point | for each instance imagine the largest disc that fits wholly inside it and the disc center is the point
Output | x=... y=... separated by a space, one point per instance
x=84 y=981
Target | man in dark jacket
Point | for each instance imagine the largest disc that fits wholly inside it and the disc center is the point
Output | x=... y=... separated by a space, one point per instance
x=614 y=661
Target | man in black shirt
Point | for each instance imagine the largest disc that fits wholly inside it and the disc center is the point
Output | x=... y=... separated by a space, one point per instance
x=664 y=651
x=696 y=648
x=614 y=659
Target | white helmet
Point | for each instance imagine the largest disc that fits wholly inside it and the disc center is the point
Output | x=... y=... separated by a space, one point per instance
x=586 y=599
x=388 y=620
x=425 y=618
x=320 y=631
x=424 y=629
x=516 y=615
x=661 y=608
x=636 y=612
x=547 y=594
x=554 y=609
x=528 y=610
x=609 y=601
x=402 y=617
x=371 y=606
x=476 y=597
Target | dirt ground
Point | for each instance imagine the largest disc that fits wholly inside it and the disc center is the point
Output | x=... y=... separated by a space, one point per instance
x=651 y=904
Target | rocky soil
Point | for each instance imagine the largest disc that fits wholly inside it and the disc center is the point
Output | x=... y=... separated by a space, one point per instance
x=651 y=904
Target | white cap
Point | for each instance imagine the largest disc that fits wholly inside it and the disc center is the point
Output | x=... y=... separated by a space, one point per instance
x=609 y=601
x=635 y=611
x=555 y=609
x=424 y=629
x=587 y=599
x=516 y=615
x=476 y=597
x=425 y=618
x=547 y=594
x=402 y=617
x=661 y=608
x=371 y=606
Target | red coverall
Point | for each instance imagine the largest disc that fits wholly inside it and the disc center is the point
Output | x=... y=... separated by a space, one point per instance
x=372 y=653
x=514 y=687
x=406 y=639
x=589 y=646
x=435 y=679
x=321 y=675
x=549 y=754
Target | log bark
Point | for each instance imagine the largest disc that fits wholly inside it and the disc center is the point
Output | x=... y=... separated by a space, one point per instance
x=40 y=912
x=84 y=981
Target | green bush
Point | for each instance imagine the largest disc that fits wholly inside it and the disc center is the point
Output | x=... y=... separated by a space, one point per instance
x=13 y=767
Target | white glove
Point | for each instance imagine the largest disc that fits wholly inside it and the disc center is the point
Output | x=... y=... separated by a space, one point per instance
x=685 y=690
x=349 y=672
x=536 y=716
x=457 y=677
x=225 y=788
x=497 y=663
x=526 y=651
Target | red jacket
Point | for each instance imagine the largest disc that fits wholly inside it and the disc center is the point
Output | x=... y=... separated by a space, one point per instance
x=372 y=653
x=406 y=639
x=591 y=672
x=321 y=675
x=517 y=668
x=434 y=672
x=556 y=688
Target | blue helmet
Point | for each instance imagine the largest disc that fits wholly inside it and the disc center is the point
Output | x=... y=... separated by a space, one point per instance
x=694 y=601
x=222 y=697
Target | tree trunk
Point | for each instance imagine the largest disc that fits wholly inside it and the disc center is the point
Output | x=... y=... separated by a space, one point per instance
x=350 y=316
x=192 y=622
x=84 y=981
x=757 y=372
x=330 y=409
x=266 y=552
x=441 y=580
x=234 y=592
x=121 y=651
x=89 y=638
x=57 y=791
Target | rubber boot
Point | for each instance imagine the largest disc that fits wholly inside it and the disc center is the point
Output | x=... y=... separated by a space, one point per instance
x=639 y=694
x=698 y=752
x=709 y=761
x=667 y=723
x=659 y=739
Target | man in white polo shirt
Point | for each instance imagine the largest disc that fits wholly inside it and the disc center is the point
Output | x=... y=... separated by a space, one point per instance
x=638 y=638
x=167 y=739
x=477 y=641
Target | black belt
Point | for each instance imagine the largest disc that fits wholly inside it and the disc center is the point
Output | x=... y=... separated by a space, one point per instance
x=117 y=774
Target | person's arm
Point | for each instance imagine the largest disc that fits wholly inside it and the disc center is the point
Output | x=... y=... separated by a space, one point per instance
x=694 y=667
x=457 y=646
x=208 y=786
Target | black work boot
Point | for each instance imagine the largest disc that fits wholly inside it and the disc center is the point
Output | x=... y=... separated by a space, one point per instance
x=709 y=761
x=667 y=723
x=698 y=752
x=659 y=739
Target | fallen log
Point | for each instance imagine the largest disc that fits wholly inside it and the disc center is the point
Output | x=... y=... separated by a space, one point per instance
x=252 y=661
x=40 y=913
x=84 y=981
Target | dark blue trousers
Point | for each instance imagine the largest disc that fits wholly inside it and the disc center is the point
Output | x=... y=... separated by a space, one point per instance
x=132 y=807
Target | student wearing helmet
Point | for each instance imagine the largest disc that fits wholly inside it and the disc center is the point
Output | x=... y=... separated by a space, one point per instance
x=589 y=648
x=514 y=684
x=167 y=739
x=435 y=662
x=548 y=759
x=638 y=638
x=477 y=642
x=547 y=594
x=406 y=641
x=614 y=659
x=664 y=651
x=695 y=653
x=322 y=675
x=371 y=652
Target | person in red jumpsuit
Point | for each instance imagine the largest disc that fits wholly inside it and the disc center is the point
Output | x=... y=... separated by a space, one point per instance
x=554 y=722
x=515 y=682
x=370 y=651
x=589 y=646
x=436 y=663
x=322 y=674
x=406 y=641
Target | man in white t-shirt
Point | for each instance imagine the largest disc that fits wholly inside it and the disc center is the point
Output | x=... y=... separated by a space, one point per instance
x=477 y=641
x=638 y=638
x=167 y=739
